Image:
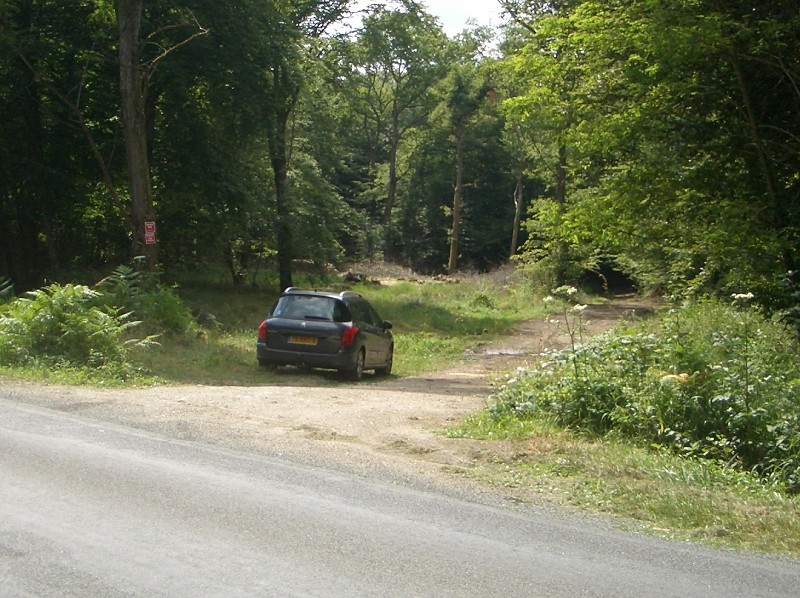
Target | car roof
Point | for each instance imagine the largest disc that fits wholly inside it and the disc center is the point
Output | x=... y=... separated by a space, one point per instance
x=332 y=294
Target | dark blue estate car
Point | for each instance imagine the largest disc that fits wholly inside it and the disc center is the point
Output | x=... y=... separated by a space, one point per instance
x=340 y=331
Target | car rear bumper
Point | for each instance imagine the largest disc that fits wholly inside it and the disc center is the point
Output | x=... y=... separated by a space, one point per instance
x=343 y=360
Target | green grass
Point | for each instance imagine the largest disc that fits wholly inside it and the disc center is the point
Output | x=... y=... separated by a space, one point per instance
x=80 y=376
x=434 y=325
x=650 y=491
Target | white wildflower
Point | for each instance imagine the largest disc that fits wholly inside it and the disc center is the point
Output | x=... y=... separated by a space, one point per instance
x=565 y=292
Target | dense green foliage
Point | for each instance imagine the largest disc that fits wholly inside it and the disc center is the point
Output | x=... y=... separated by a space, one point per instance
x=68 y=327
x=656 y=137
x=91 y=331
x=669 y=128
x=157 y=308
x=709 y=380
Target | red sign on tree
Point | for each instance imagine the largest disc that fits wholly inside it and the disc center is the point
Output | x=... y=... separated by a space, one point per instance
x=150 y=233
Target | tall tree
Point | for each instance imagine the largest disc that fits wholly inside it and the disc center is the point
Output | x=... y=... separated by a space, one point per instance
x=302 y=22
x=466 y=90
x=133 y=89
x=209 y=158
x=134 y=76
x=400 y=54
x=546 y=73
x=517 y=140
x=435 y=163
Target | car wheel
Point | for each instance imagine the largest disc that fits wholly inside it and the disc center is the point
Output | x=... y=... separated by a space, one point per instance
x=357 y=372
x=387 y=369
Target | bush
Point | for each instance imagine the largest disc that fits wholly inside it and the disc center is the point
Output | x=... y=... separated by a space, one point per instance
x=62 y=324
x=709 y=380
x=86 y=333
x=157 y=307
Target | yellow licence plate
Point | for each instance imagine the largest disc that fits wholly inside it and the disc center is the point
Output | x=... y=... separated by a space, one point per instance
x=303 y=340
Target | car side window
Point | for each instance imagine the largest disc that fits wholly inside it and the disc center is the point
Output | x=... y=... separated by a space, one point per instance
x=360 y=314
x=281 y=307
x=376 y=319
x=364 y=312
x=341 y=313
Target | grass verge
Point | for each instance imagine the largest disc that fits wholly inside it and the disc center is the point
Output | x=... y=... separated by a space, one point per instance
x=650 y=491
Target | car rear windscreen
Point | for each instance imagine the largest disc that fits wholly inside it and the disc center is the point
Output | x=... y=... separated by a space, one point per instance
x=311 y=307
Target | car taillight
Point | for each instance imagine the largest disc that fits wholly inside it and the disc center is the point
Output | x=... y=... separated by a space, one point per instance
x=262 y=331
x=349 y=336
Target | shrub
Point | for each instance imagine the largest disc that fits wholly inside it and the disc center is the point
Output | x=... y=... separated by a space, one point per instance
x=158 y=307
x=709 y=380
x=62 y=324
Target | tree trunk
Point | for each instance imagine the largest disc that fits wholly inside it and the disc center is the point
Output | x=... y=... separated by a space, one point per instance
x=132 y=90
x=280 y=169
x=560 y=258
x=457 y=196
x=285 y=94
x=518 y=204
x=391 y=187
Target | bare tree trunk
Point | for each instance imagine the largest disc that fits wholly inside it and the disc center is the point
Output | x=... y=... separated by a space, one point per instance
x=457 y=197
x=518 y=204
x=391 y=188
x=285 y=93
x=560 y=258
x=132 y=90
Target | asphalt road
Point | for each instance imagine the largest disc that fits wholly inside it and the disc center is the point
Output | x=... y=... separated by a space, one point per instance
x=94 y=509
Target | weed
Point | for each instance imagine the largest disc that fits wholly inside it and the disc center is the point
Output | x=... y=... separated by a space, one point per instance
x=67 y=327
x=713 y=381
x=158 y=307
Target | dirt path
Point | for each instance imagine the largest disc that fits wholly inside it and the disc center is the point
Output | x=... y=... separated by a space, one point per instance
x=379 y=425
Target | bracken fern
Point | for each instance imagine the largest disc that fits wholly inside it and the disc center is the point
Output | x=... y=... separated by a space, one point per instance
x=67 y=325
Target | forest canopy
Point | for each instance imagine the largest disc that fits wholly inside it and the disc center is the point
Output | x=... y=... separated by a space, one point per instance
x=655 y=138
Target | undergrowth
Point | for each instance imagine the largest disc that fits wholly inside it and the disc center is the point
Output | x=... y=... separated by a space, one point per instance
x=79 y=334
x=708 y=380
